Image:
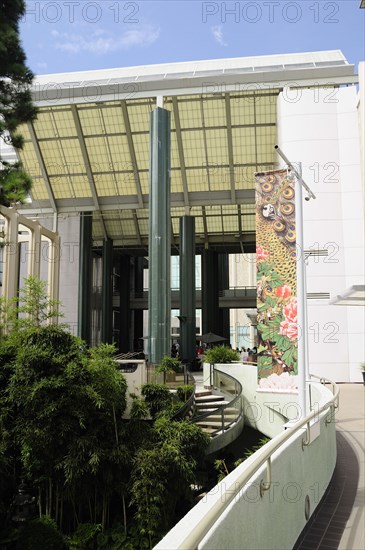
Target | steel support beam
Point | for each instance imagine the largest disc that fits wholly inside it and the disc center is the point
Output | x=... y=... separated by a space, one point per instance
x=230 y=148
x=42 y=166
x=180 y=150
x=132 y=153
x=86 y=160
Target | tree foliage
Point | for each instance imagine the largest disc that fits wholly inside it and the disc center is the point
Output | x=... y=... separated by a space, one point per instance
x=33 y=307
x=62 y=413
x=62 y=431
x=16 y=105
x=163 y=473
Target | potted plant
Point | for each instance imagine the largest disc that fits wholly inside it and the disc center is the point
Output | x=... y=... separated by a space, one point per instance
x=221 y=354
x=169 y=365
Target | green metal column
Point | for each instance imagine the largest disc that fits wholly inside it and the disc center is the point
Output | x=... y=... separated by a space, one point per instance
x=107 y=293
x=210 y=292
x=187 y=289
x=223 y=284
x=85 y=277
x=159 y=295
x=138 y=313
x=125 y=305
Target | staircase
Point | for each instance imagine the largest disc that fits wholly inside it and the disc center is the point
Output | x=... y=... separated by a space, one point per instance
x=211 y=413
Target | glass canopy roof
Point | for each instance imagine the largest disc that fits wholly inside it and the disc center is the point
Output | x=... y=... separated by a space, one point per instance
x=93 y=154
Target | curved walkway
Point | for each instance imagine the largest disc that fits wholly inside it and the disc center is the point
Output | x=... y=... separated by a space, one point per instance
x=339 y=521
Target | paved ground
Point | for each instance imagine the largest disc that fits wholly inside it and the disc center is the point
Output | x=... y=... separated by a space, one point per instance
x=339 y=521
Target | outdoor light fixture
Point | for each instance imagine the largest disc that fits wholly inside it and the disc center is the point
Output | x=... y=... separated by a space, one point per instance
x=310 y=194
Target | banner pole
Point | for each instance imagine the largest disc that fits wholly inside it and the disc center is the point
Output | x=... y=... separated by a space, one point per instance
x=302 y=368
x=303 y=359
x=311 y=195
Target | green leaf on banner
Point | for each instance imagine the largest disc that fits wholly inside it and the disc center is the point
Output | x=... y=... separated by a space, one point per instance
x=288 y=356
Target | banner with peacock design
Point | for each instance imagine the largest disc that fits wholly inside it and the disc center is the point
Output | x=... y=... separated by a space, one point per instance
x=276 y=260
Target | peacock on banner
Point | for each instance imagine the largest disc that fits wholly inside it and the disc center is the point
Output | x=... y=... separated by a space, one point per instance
x=277 y=326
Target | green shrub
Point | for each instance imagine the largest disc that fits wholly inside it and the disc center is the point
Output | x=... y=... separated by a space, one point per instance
x=184 y=392
x=221 y=354
x=85 y=537
x=41 y=533
x=117 y=538
x=169 y=364
x=139 y=408
x=157 y=396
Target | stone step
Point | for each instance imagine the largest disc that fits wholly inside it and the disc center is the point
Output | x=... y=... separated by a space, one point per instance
x=227 y=416
x=208 y=430
x=202 y=393
x=211 y=405
x=210 y=397
x=209 y=424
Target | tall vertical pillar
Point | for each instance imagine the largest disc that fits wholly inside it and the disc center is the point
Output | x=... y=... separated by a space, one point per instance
x=187 y=289
x=107 y=293
x=138 y=313
x=35 y=251
x=11 y=257
x=85 y=277
x=223 y=284
x=124 y=308
x=210 y=292
x=159 y=295
x=54 y=270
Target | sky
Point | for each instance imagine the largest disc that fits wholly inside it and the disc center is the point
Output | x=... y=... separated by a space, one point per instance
x=75 y=35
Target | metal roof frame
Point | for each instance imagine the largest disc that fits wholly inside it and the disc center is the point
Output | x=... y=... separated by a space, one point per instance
x=129 y=93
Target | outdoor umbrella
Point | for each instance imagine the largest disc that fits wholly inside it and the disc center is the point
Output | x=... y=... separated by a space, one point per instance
x=210 y=338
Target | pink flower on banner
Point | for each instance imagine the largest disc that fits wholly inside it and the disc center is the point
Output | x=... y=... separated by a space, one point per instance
x=261 y=254
x=289 y=327
x=283 y=292
x=290 y=310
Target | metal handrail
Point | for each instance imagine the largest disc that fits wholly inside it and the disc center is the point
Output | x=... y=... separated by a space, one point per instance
x=190 y=403
x=129 y=355
x=207 y=521
x=222 y=409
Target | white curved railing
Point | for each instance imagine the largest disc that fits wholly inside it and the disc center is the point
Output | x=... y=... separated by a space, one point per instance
x=190 y=539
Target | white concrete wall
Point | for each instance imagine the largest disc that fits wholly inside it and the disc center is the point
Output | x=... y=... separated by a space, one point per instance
x=266 y=412
x=69 y=231
x=246 y=520
x=320 y=129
